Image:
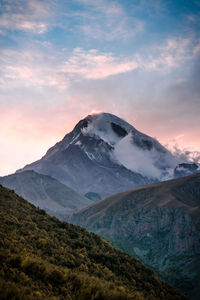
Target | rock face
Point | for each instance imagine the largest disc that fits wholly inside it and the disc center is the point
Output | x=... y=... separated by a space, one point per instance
x=104 y=155
x=45 y=192
x=158 y=224
x=185 y=169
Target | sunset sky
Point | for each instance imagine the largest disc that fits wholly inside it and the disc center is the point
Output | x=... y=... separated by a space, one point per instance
x=62 y=60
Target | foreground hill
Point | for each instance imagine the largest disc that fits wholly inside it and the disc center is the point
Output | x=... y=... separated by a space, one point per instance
x=158 y=224
x=44 y=258
x=109 y=155
x=45 y=192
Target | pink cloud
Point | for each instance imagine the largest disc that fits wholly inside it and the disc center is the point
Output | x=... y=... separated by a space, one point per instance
x=32 y=69
x=171 y=54
x=25 y=16
x=63 y=70
x=94 y=65
x=17 y=22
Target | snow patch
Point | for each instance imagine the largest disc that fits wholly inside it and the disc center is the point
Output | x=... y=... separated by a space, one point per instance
x=78 y=143
x=100 y=126
x=89 y=155
x=104 y=132
x=74 y=139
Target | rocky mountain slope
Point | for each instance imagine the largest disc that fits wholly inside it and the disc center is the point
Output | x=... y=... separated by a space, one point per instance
x=104 y=155
x=158 y=224
x=42 y=258
x=45 y=192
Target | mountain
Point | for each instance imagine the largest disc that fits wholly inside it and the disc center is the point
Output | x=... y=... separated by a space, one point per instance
x=45 y=192
x=104 y=154
x=93 y=196
x=159 y=224
x=185 y=169
x=43 y=258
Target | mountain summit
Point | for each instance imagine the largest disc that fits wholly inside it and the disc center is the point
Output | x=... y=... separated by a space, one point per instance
x=105 y=154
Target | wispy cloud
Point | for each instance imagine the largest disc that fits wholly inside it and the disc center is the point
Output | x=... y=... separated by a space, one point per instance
x=62 y=69
x=32 y=69
x=28 y=16
x=29 y=68
x=184 y=154
x=19 y=22
x=172 y=53
x=94 y=65
x=105 y=21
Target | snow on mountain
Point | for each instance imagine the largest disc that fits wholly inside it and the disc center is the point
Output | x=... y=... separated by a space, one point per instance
x=105 y=154
x=107 y=127
x=130 y=148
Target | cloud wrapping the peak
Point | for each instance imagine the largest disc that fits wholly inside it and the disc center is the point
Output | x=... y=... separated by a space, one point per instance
x=135 y=159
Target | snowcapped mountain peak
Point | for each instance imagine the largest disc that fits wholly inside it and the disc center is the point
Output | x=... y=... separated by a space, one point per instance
x=120 y=142
x=104 y=154
x=105 y=126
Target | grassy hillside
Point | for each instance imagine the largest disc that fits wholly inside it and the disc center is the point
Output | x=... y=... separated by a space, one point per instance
x=44 y=258
x=159 y=224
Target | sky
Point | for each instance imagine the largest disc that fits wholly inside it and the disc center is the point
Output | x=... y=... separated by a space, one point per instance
x=62 y=60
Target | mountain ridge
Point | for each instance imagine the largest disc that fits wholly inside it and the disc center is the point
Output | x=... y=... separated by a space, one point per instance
x=45 y=192
x=159 y=224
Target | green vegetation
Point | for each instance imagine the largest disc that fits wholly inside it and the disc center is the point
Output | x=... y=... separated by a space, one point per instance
x=44 y=258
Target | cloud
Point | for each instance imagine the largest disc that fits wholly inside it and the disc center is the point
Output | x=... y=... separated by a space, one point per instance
x=62 y=70
x=94 y=65
x=135 y=159
x=105 y=21
x=17 y=22
x=100 y=127
x=171 y=54
x=28 y=16
x=184 y=154
x=29 y=68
